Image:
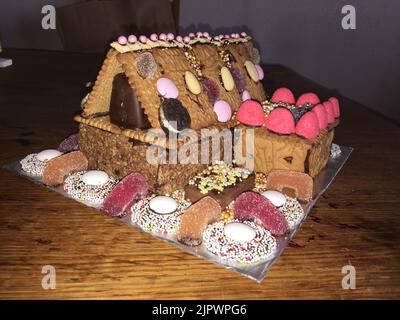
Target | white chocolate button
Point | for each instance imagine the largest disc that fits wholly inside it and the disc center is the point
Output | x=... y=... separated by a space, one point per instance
x=48 y=154
x=277 y=198
x=239 y=231
x=163 y=205
x=227 y=79
x=192 y=83
x=95 y=177
x=251 y=70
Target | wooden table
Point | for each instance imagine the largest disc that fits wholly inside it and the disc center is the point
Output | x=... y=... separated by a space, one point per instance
x=356 y=222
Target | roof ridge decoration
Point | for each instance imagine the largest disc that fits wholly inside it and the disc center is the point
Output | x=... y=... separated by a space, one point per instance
x=134 y=43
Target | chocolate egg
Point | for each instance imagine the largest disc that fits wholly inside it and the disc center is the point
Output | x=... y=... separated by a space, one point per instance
x=277 y=198
x=246 y=95
x=95 y=177
x=163 y=205
x=167 y=88
x=260 y=72
x=192 y=83
x=223 y=110
x=48 y=154
x=251 y=70
x=240 y=232
x=227 y=79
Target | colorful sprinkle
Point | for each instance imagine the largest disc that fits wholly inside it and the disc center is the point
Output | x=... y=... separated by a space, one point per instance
x=263 y=246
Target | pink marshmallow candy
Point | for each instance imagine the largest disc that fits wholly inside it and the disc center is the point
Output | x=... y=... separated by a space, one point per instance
x=179 y=38
x=162 y=36
x=153 y=37
x=143 y=39
x=122 y=40
x=186 y=39
x=132 y=38
x=170 y=36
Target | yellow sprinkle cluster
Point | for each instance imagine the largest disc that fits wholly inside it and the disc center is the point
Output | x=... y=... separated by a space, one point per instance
x=218 y=176
x=194 y=62
x=227 y=215
x=226 y=57
x=178 y=195
x=260 y=182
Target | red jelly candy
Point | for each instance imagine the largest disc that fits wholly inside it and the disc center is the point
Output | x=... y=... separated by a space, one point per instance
x=69 y=144
x=127 y=192
x=307 y=98
x=251 y=113
x=283 y=95
x=251 y=206
x=280 y=120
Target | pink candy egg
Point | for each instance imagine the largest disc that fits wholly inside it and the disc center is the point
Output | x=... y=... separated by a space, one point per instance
x=246 y=95
x=162 y=36
x=307 y=126
x=283 y=95
x=280 y=120
x=186 y=39
x=223 y=110
x=132 y=38
x=260 y=71
x=122 y=40
x=153 y=37
x=206 y=34
x=329 y=111
x=179 y=38
x=243 y=34
x=322 y=115
x=251 y=113
x=170 y=36
x=143 y=39
x=199 y=34
x=191 y=35
x=307 y=98
x=336 y=109
x=167 y=88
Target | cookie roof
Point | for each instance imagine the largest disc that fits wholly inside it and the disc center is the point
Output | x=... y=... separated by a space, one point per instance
x=172 y=63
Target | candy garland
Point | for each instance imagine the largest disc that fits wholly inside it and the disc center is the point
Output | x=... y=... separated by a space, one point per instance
x=262 y=247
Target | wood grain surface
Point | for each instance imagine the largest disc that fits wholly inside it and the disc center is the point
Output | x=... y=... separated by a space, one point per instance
x=356 y=222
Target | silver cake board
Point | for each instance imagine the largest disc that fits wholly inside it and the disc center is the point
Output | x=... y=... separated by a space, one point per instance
x=255 y=271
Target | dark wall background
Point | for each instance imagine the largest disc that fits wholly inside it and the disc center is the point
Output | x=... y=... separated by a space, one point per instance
x=363 y=64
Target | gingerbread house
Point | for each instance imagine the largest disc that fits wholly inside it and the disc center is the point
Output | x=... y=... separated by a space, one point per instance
x=172 y=83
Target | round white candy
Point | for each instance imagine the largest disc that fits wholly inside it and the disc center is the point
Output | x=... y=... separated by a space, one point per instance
x=48 y=154
x=95 y=177
x=277 y=198
x=239 y=231
x=163 y=205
